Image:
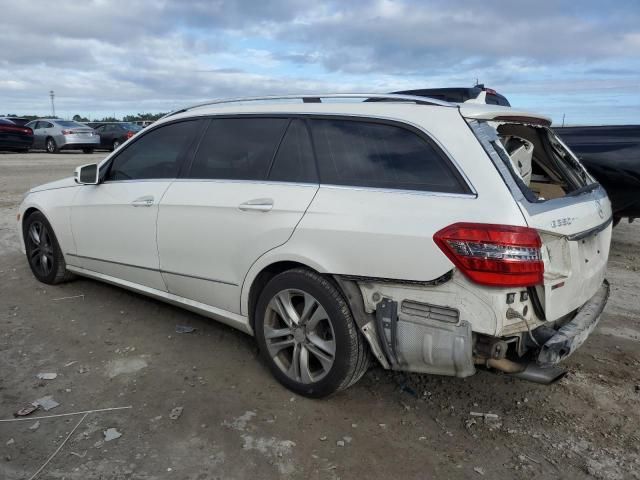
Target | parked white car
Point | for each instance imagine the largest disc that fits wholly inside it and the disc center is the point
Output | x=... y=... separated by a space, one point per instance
x=435 y=237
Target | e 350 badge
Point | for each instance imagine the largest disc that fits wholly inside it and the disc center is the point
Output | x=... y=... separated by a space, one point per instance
x=562 y=222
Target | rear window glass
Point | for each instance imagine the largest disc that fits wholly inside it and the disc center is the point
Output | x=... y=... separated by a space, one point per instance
x=493 y=99
x=68 y=123
x=378 y=155
x=238 y=148
x=131 y=126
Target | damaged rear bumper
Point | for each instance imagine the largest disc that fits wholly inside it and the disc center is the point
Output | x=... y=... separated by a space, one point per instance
x=572 y=335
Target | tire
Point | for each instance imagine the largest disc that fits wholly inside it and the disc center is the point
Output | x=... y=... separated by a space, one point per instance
x=87 y=150
x=43 y=251
x=616 y=221
x=325 y=325
x=116 y=144
x=51 y=145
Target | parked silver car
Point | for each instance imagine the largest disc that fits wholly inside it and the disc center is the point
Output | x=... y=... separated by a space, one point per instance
x=54 y=135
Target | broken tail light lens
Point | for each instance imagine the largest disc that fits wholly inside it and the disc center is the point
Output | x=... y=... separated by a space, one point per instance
x=494 y=255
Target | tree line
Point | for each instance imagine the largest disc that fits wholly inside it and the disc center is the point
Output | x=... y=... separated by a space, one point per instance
x=81 y=119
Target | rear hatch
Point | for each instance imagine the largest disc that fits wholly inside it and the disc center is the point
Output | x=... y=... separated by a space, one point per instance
x=557 y=197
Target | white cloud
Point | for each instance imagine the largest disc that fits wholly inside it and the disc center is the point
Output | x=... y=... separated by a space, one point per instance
x=127 y=57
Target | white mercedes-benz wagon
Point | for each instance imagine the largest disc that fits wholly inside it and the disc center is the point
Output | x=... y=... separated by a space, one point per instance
x=430 y=236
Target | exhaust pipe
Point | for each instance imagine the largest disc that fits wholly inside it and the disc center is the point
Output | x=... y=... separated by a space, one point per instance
x=528 y=371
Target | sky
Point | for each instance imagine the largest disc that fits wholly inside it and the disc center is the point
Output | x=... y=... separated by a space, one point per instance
x=579 y=59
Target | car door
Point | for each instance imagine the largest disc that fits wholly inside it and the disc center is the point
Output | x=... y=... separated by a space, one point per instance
x=114 y=222
x=44 y=130
x=240 y=200
x=101 y=130
x=38 y=138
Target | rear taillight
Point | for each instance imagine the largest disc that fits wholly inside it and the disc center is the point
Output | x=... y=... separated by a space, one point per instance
x=130 y=134
x=495 y=255
x=16 y=129
x=68 y=132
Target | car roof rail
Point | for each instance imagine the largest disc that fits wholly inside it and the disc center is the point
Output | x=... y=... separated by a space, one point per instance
x=317 y=98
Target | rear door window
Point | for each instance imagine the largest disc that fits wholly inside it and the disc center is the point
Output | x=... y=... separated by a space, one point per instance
x=155 y=155
x=380 y=155
x=294 y=161
x=238 y=148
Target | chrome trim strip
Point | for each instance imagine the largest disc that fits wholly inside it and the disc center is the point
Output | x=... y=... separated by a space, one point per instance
x=152 y=269
x=396 y=190
x=591 y=231
x=229 y=318
x=198 y=278
x=420 y=128
x=265 y=182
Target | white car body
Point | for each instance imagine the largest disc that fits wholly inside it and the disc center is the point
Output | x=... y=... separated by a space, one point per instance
x=144 y=235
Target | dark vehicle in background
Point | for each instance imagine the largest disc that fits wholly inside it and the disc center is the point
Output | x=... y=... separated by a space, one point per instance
x=611 y=153
x=14 y=137
x=18 y=120
x=54 y=134
x=114 y=134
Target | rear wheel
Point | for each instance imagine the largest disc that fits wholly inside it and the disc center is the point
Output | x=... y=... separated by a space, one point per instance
x=307 y=335
x=43 y=251
x=52 y=146
x=116 y=144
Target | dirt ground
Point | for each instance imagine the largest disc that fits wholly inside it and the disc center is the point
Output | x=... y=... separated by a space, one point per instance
x=112 y=348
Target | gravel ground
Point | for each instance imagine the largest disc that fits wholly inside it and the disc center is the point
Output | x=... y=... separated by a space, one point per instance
x=112 y=348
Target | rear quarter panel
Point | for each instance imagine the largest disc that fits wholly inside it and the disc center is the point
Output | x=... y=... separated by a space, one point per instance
x=389 y=234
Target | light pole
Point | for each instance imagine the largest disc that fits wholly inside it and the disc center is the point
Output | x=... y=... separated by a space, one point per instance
x=53 y=107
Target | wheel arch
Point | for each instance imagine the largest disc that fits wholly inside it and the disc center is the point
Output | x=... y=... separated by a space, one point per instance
x=264 y=270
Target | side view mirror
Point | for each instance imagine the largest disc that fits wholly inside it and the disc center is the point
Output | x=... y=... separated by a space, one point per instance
x=87 y=174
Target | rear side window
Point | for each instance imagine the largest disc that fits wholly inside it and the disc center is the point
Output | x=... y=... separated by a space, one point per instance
x=154 y=155
x=378 y=155
x=496 y=99
x=294 y=161
x=238 y=148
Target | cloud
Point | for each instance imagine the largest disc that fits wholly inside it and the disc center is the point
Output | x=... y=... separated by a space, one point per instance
x=121 y=56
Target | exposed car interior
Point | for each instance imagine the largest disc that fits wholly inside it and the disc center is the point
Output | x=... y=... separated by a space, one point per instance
x=544 y=166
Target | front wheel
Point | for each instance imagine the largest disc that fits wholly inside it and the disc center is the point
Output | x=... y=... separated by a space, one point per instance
x=43 y=251
x=307 y=335
x=52 y=146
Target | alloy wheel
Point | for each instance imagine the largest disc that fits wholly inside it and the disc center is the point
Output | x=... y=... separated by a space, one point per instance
x=40 y=248
x=299 y=336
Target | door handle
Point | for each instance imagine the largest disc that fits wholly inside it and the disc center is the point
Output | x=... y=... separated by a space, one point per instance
x=258 y=205
x=145 y=201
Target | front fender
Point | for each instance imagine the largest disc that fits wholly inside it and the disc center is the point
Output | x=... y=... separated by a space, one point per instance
x=55 y=205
